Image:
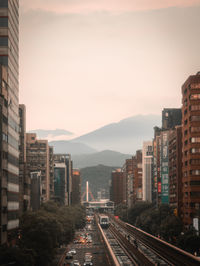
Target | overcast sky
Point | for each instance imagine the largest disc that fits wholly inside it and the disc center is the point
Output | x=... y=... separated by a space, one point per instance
x=87 y=63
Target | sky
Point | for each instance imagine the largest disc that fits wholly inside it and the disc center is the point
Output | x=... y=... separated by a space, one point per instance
x=88 y=63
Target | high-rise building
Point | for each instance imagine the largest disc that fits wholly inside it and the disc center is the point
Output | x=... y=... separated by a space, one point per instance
x=36 y=190
x=60 y=186
x=175 y=169
x=127 y=169
x=147 y=171
x=24 y=179
x=137 y=177
x=191 y=148
x=118 y=187
x=66 y=161
x=51 y=171
x=171 y=117
x=76 y=187
x=9 y=179
x=37 y=159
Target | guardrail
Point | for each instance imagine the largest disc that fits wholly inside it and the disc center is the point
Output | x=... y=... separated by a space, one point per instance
x=167 y=251
x=112 y=256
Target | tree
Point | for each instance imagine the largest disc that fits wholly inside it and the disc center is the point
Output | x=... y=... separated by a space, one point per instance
x=15 y=256
x=39 y=232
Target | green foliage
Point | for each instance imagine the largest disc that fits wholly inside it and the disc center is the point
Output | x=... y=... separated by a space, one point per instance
x=138 y=208
x=40 y=232
x=189 y=241
x=98 y=177
x=43 y=231
x=121 y=211
x=15 y=256
x=160 y=222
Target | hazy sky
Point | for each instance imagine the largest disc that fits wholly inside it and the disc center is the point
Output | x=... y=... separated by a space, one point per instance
x=87 y=63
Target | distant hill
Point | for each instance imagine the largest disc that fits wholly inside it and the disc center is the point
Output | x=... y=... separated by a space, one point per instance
x=43 y=133
x=125 y=136
x=64 y=146
x=108 y=158
x=99 y=178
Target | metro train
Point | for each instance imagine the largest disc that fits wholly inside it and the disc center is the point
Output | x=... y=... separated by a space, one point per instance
x=104 y=221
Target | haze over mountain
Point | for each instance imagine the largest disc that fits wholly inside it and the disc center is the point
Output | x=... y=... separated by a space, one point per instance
x=55 y=134
x=126 y=136
x=75 y=148
x=106 y=158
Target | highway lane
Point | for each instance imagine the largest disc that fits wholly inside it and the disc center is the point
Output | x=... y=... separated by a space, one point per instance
x=96 y=248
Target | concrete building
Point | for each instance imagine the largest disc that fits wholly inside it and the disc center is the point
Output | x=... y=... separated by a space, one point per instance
x=24 y=179
x=118 y=187
x=191 y=148
x=171 y=117
x=60 y=183
x=76 y=187
x=127 y=169
x=175 y=169
x=147 y=171
x=36 y=190
x=51 y=171
x=137 y=177
x=9 y=173
x=156 y=186
x=65 y=159
x=37 y=158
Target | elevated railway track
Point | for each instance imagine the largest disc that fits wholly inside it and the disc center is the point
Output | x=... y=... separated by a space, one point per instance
x=155 y=249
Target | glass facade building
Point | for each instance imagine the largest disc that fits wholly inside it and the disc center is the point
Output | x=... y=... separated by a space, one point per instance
x=9 y=39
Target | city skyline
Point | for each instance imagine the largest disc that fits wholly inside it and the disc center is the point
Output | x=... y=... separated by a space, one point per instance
x=88 y=60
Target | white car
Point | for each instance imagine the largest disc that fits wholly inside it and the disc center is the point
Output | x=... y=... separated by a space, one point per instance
x=73 y=251
x=76 y=263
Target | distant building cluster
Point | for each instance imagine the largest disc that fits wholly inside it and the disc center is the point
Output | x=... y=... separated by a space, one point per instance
x=167 y=169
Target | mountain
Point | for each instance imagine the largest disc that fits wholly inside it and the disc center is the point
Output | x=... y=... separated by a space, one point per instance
x=125 y=136
x=107 y=158
x=64 y=146
x=43 y=133
x=99 y=178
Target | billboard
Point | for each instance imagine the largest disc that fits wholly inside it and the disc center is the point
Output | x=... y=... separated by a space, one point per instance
x=164 y=167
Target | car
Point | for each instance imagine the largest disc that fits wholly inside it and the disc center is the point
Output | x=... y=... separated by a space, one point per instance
x=73 y=251
x=88 y=263
x=69 y=256
x=75 y=263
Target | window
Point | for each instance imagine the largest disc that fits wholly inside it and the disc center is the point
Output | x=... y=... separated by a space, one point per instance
x=3 y=3
x=4 y=21
x=195 y=150
x=195 y=129
x=195 y=162
x=195 y=118
x=195 y=96
x=195 y=107
x=195 y=183
x=195 y=172
x=3 y=40
x=195 y=140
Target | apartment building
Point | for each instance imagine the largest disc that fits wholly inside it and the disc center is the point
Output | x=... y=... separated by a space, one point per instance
x=76 y=187
x=147 y=171
x=175 y=169
x=24 y=178
x=37 y=159
x=9 y=179
x=118 y=187
x=191 y=148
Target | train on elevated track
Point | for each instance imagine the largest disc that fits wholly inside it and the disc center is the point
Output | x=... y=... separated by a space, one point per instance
x=104 y=221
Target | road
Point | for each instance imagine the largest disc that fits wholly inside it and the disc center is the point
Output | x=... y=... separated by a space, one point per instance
x=96 y=248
